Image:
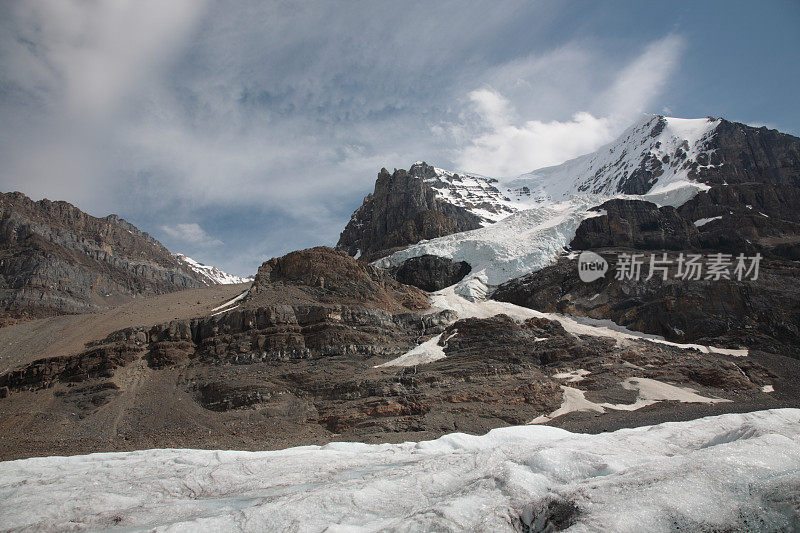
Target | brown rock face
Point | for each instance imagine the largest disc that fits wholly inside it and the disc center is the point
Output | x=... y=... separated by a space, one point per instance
x=760 y=315
x=753 y=218
x=403 y=210
x=281 y=376
x=56 y=259
x=331 y=276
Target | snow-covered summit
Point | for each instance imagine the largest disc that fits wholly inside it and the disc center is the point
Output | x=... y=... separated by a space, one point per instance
x=211 y=274
x=656 y=154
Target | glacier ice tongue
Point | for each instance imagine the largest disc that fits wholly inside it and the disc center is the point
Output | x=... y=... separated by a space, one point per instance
x=516 y=245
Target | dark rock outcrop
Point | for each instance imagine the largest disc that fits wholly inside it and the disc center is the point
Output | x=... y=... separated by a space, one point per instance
x=761 y=314
x=635 y=224
x=750 y=208
x=742 y=154
x=431 y=273
x=96 y=362
x=56 y=259
x=403 y=210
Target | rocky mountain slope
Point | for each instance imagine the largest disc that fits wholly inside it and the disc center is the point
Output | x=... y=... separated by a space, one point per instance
x=56 y=259
x=758 y=313
x=734 y=191
x=314 y=352
x=403 y=210
x=325 y=347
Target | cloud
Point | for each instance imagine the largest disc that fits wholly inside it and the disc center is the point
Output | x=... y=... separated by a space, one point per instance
x=644 y=79
x=495 y=142
x=284 y=111
x=68 y=72
x=191 y=233
x=509 y=150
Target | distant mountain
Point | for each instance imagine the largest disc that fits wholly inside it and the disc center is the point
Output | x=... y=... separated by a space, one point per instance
x=56 y=259
x=212 y=274
x=660 y=159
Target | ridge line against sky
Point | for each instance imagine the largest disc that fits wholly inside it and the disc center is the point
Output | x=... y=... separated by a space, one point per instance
x=234 y=133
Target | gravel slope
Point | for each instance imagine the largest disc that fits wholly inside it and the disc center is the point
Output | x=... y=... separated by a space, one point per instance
x=64 y=335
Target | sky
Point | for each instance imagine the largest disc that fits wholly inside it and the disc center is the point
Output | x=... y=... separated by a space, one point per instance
x=236 y=132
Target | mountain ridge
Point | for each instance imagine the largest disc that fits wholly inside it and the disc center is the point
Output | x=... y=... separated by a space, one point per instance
x=56 y=259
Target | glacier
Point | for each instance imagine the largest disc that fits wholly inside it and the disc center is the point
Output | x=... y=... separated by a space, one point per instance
x=727 y=472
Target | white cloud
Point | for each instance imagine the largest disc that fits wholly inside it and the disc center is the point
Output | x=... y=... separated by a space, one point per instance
x=509 y=150
x=499 y=144
x=491 y=106
x=191 y=233
x=73 y=68
x=643 y=80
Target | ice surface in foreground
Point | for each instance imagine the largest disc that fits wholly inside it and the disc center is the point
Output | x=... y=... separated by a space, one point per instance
x=730 y=472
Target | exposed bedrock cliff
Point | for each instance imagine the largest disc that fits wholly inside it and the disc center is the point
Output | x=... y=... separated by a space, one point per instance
x=402 y=210
x=56 y=259
x=287 y=376
x=330 y=276
x=740 y=154
x=761 y=314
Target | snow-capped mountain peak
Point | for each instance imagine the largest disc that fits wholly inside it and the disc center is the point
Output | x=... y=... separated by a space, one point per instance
x=655 y=154
x=212 y=274
x=657 y=159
